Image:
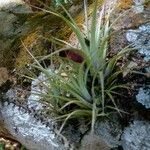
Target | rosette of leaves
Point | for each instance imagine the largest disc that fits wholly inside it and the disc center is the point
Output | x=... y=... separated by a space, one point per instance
x=85 y=83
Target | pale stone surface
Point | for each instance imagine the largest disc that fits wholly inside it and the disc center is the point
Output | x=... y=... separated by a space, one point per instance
x=140 y=38
x=5 y=3
x=108 y=131
x=15 y=6
x=93 y=142
x=11 y=28
x=137 y=136
x=27 y=130
x=139 y=7
x=143 y=96
x=7 y=21
x=36 y=133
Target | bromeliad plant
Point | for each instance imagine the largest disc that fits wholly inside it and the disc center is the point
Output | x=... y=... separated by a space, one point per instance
x=85 y=83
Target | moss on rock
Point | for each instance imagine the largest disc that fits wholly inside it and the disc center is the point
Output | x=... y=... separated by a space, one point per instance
x=34 y=44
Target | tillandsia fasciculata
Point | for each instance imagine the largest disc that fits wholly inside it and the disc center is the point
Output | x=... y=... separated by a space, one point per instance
x=86 y=82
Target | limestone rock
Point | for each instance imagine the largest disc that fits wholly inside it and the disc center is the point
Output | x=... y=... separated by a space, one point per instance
x=5 y=3
x=133 y=24
x=93 y=142
x=137 y=136
x=27 y=126
x=6 y=24
x=34 y=135
x=109 y=132
x=3 y=131
x=141 y=39
x=143 y=97
x=10 y=30
x=137 y=14
x=15 y=6
x=23 y=118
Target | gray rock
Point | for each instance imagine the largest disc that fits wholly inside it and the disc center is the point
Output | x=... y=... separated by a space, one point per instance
x=7 y=21
x=93 y=142
x=72 y=134
x=143 y=97
x=109 y=132
x=8 y=26
x=15 y=6
x=12 y=18
x=141 y=39
x=19 y=8
x=27 y=130
x=139 y=7
x=38 y=86
x=137 y=136
x=26 y=125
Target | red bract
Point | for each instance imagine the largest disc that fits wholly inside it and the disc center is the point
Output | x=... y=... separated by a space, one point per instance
x=74 y=56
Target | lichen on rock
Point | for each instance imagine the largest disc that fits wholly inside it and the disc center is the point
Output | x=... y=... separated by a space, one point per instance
x=6 y=24
x=93 y=142
x=27 y=130
x=141 y=39
x=109 y=132
x=11 y=29
x=137 y=136
x=34 y=44
x=143 y=97
x=25 y=123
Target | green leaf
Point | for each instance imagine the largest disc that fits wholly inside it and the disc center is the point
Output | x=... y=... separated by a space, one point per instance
x=113 y=101
x=1 y=146
x=112 y=77
x=74 y=114
x=76 y=102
